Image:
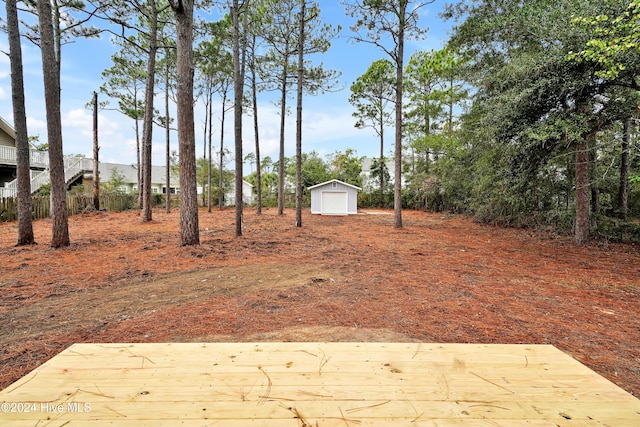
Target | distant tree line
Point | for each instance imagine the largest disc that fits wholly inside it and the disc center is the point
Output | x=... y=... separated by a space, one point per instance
x=528 y=116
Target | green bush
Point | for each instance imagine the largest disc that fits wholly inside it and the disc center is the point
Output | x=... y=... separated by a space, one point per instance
x=617 y=230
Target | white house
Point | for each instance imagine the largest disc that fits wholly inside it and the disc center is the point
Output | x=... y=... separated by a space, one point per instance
x=334 y=198
x=247 y=195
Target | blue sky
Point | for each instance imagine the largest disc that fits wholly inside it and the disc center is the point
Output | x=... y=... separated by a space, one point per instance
x=328 y=123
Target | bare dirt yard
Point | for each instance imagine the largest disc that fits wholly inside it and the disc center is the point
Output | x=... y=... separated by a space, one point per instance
x=439 y=278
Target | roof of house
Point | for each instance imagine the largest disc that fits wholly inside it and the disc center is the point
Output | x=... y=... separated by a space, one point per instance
x=130 y=173
x=10 y=130
x=334 y=180
x=7 y=128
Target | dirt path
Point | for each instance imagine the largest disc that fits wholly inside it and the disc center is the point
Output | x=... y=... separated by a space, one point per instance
x=438 y=279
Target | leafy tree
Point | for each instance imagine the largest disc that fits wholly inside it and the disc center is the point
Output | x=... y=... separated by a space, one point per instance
x=25 y=208
x=116 y=182
x=267 y=164
x=347 y=167
x=251 y=159
x=432 y=93
x=614 y=45
x=314 y=170
x=615 y=41
x=426 y=89
x=536 y=105
x=376 y=22
x=380 y=171
x=371 y=95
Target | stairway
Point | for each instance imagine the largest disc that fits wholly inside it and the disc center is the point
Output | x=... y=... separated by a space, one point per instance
x=74 y=167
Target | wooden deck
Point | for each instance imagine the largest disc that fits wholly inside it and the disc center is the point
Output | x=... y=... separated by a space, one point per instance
x=315 y=384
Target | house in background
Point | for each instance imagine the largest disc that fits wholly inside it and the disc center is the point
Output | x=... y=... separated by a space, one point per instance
x=370 y=183
x=248 y=198
x=127 y=178
x=74 y=166
x=334 y=197
x=39 y=160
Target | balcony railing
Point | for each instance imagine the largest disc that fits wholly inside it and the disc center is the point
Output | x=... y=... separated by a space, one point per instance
x=73 y=166
x=38 y=159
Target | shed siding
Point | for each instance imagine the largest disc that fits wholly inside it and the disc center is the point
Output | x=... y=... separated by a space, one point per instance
x=352 y=197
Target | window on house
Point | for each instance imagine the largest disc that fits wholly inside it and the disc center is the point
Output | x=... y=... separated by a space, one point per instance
x=334 y=185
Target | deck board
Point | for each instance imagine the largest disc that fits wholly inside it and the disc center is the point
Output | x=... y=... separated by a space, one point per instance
x=315 y=384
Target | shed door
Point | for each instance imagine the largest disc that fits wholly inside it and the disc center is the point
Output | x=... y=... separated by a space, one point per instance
x=334 y=203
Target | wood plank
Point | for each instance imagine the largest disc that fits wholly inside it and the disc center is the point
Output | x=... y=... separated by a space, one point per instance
x=355 y=412
x=281 y=384
x=325 y=423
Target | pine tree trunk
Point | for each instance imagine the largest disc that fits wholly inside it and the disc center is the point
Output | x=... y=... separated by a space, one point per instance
x=583 y=224
x=189 y=227
x=59 y=214
x=96 y=150
x=299 y=117
x=381 y=132
x=221 y=166
x=138 y=150
x=147 y=128
x=397 y=195
x=283 y=112
x=238 y=87
x=623 y=189
x=210 y=144
x=254 y=96
x=167 y=137
x=25 y=205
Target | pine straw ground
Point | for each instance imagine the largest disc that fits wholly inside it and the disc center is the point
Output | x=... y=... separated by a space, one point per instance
x=438 y=279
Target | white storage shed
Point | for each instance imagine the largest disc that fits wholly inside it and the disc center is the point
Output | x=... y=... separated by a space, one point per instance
x=334 y=198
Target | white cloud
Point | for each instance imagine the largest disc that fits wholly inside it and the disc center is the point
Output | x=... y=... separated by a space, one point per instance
x=78 y=120
x=34 y=125
x=3 y=94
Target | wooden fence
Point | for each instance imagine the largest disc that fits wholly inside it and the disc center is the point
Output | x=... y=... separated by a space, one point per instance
x=75 y=204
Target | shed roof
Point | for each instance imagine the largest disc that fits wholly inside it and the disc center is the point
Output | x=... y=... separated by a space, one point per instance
x=334 y=180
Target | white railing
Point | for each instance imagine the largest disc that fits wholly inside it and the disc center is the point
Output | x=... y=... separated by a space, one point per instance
x=72 y=167
x=9 y=155
x=75 y=165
